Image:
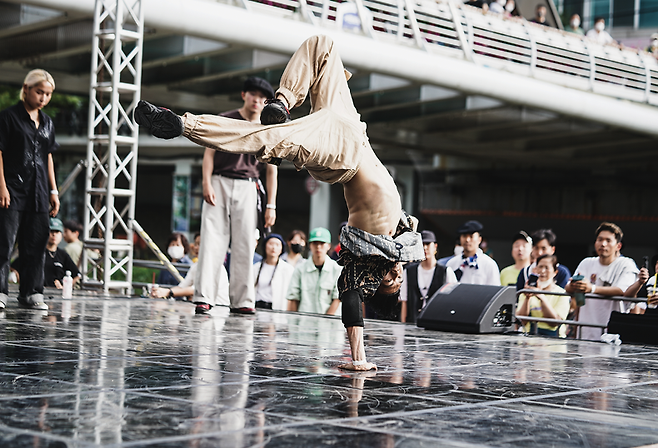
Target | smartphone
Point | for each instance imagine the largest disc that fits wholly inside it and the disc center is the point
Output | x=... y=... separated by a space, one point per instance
x=532 y=280
x=579 y=296
x=645 y=262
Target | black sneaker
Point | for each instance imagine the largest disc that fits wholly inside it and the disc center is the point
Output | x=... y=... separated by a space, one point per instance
x=202 y=308
x=274 y=112
x=161 y=122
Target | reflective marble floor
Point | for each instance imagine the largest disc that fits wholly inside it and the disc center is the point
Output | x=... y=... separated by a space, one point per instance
x=138 y=372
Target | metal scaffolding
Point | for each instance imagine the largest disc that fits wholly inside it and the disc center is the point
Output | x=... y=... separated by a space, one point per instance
x=116 y=69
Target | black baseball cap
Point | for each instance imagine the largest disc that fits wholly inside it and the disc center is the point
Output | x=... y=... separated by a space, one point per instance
x=521 y=235
x=428 y=236
x=278 y=237
x=256 y=83
x=470 y=227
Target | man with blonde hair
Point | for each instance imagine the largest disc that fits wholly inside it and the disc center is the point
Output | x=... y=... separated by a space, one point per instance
x=28 y=190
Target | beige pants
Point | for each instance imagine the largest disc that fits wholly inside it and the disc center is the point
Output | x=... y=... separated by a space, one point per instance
x=232 y=220
x=328 y=143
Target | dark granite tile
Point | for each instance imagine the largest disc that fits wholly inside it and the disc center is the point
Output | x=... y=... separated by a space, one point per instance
x=111 y=417
x=516 y=425
x=24 y=439
x=620 y=402
x=314 y=435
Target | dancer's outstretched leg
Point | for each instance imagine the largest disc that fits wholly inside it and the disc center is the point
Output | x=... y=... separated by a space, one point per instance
x=315 y=69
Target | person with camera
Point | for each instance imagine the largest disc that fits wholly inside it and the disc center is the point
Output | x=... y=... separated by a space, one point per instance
x=608 y=274
x=544 y=305
x=645 y=286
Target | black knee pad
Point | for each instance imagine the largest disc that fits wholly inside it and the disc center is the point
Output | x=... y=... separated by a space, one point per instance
x=352 y=312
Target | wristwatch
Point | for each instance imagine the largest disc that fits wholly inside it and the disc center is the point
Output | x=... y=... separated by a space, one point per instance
x=171 y=293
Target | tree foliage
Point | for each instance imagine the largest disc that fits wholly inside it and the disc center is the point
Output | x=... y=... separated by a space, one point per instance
x=9 y=95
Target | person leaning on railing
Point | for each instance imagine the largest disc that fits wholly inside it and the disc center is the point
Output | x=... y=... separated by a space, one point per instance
x=608 y=274
x=548 y=306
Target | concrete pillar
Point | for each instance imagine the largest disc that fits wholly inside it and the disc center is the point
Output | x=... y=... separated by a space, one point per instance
x=320 y=214
x=404 y=178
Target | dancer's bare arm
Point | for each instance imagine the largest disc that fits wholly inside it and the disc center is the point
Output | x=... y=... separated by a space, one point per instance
x=355 y=336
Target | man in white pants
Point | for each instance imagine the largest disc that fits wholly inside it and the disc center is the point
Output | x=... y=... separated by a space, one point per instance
x=229 y=213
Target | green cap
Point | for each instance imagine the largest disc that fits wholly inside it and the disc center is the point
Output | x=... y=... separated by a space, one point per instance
x=320 y=234
x=56 y=224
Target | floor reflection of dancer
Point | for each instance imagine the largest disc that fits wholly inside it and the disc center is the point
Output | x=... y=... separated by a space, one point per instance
x=331 y=143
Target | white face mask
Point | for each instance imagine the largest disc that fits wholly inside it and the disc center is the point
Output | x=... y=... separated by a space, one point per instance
x=654 y=43
x=176 y=252
x=544 y=284
x=509 y=7
x=600 y=26
x=501 y=2
x=575 y=23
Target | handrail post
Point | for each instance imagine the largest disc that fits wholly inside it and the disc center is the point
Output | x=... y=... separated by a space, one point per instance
x=418 y=37
x=156 y=250
x=64 y=187
x=647 y=75
x=533 y=48
x=307 y=14
x=592 y=65
x=366 y=27
x=456 y=19
x=324 y=17
x=400 y=20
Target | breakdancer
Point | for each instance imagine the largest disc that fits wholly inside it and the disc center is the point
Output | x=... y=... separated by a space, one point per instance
x=332 y=145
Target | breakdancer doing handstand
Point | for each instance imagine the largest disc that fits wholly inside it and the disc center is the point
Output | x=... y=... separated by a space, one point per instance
x=332 y=145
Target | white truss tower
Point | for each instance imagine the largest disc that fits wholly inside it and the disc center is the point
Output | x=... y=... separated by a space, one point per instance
x=116 y=70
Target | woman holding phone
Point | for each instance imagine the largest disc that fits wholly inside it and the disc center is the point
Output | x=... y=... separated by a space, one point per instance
x=545 y=305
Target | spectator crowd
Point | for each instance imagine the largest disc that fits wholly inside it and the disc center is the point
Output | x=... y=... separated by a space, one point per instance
x=551 y=290
x=508 y=8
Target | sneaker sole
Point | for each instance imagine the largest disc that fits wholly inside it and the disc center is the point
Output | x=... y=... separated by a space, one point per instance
x=38 y=307
x=162 y=123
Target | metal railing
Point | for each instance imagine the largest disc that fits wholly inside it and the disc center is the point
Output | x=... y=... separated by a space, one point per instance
x=572 y=322
x=487 y=39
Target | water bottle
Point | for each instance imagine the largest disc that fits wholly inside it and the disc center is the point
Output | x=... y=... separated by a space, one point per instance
x=67 y=286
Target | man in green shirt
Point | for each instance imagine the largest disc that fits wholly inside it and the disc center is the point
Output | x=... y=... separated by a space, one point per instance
x=313 y=288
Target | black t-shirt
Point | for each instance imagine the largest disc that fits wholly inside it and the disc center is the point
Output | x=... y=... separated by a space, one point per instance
x=25 y=152
x=56 y=266
x=235 y=166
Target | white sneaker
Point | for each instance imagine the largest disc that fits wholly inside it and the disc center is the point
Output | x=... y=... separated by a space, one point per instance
x=33 y=302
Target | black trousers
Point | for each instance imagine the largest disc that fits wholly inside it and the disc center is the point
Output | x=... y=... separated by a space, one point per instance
x=32 y=231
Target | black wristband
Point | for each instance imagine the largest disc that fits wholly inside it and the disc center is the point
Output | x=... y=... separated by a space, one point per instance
x=171 y=293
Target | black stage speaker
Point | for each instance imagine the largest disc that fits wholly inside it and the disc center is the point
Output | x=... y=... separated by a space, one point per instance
x=463 y=308
x=635 y=328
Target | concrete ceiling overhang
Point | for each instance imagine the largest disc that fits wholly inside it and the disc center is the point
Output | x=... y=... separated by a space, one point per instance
x=412 y=101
